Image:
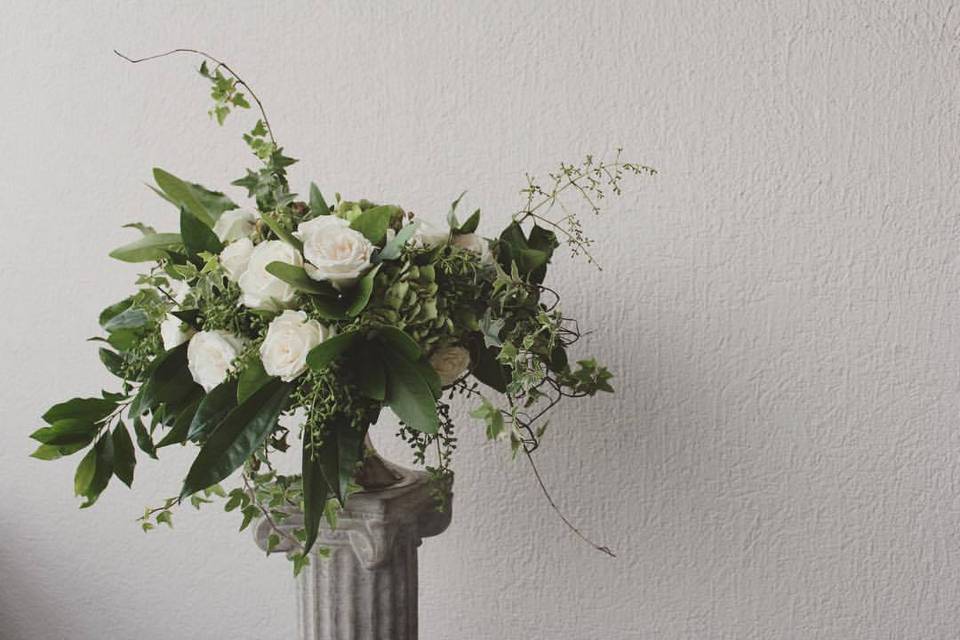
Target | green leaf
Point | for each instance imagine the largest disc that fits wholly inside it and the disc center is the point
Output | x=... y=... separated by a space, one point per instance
x=53 y=452
x=241 y=432
x=94 y=471
x=213 y=408
x=297 y=278
x=124 y=459
x=112 y=361
x=327 y=351
x=181 y=425
x=369 y=376
x=338 y=455
x=282 y=233
x=452 y=215
x=139 y=226
x=488 y=370
x=148 y=248
x=132 y=318
x=88 y=409
x=408 y=394
x=113 y=310
x=169 y=382
x=183 y=194
x=400 y=341
x=373 y=222
x=252 y=378
x=68 y=431
x=144 y=441
x=470 y=225
x=197 y=236
x=213 y=201
x=360 y=296
x=315 y=495
x=393 y=249
x=318 y=206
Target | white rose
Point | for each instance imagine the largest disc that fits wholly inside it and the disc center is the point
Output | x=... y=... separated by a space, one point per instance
x=333 y=250
x=235 y=257
x=233 y=225
x=210 y=357
x=475 y=243
x=260 y=288
x=429 y=235
x=450 y=363
x=290 y=337
x=174 y=332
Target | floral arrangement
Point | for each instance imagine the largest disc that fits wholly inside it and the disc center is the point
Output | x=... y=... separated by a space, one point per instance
x=333 y=310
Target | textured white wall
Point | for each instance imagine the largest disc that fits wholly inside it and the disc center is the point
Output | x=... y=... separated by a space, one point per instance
x=780 y=303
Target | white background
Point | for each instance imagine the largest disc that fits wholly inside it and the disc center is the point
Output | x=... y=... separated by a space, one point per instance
x=779 y=304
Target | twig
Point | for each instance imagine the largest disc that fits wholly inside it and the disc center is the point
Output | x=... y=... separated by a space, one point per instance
x=220 y=64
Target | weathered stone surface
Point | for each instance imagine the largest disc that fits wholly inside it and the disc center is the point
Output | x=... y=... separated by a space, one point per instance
x=367 y=588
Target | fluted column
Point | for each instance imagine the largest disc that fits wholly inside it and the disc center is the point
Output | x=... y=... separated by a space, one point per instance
x=367 y=588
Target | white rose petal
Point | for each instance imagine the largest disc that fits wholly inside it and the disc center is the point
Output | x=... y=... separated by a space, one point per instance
x=429 y=235
x=235 y=257
x=260 y=288
x=290 y=337
x=210 y=357
x=475 y=243
x=450 y=363
x=233 y=225
x=174 y=332
x=334 y=251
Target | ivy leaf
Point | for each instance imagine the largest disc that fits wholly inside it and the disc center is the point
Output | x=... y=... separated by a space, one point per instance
x=318 y=206
x=330 y=349
x=148 y=248
x=297 y=278
x=183 y=194
x=124 y=459
x=373 y=222
x=197 y=236
x=234 y=440
x=408 y=394
x=315 y=495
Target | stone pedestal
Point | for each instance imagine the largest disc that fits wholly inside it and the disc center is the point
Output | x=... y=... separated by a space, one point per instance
x=367 y=588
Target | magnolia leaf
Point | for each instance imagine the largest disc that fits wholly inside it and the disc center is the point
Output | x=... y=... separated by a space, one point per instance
x=393 y=249
x=315 y=495
x=148 y=248
x=183 y=194
x=399 y=341
x=197 y=236
x=124 y=458
x=327 y=351
x=251 y=379
x=88 y=409
x=373 y=222
x=213 y=408
x=318 y=206
x=282 y=233
x=297 y=278
x=408 y=394
x=369 y=376
x=234 y=440
x=338 y=455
